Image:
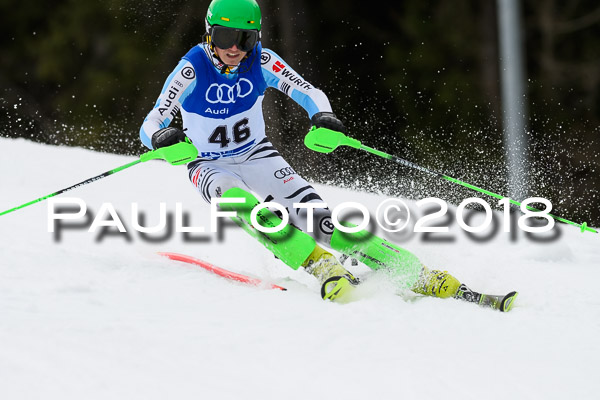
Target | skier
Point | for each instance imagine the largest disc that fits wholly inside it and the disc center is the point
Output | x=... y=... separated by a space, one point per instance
x=218 y=87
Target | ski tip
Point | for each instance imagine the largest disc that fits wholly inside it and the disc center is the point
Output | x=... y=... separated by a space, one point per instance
x=508 y=301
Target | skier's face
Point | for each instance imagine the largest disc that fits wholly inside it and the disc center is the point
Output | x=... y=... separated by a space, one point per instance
x=231 y=56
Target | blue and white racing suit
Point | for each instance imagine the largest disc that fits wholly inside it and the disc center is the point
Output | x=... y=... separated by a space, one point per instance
x=222 y=115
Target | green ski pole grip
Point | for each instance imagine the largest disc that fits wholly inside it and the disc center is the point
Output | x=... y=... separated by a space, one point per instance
x=177 y=154
x=325 y=140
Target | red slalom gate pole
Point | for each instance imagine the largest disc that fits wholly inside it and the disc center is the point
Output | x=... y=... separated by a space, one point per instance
x=220 y=271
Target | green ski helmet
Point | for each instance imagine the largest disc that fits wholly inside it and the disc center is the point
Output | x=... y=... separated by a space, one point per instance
x=237 y=14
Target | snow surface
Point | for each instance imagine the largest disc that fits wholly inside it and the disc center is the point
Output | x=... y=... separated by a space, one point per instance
x=106 y=318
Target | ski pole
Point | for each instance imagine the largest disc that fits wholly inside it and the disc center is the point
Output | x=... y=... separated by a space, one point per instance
x=176 y=154
x=324 y=140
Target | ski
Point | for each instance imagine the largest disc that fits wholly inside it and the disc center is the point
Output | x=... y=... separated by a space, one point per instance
x=502 y=303
x=220 y=271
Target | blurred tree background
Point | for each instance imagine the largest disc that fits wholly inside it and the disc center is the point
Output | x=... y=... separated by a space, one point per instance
x=416 y=78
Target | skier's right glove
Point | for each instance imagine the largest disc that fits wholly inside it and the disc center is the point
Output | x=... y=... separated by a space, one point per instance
x=167 y=137
x=328 y=120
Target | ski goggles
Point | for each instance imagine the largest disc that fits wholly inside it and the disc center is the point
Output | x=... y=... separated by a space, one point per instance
x=224 y=38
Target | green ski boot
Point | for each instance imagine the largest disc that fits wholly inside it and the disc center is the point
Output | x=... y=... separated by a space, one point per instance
x=337 y=284
x=442 y=284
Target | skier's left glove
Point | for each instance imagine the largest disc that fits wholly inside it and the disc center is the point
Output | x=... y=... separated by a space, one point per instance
x=167 y=137
x=328 y=120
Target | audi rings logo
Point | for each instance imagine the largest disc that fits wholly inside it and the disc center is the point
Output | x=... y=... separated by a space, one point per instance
x=225 y=94
x=283 y=172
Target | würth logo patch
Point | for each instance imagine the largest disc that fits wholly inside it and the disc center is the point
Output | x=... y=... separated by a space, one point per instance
x=278 y=66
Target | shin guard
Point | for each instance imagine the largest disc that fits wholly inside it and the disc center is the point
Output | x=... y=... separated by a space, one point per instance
x=290 y=245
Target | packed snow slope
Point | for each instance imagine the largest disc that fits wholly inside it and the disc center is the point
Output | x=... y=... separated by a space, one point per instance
x=91 y=316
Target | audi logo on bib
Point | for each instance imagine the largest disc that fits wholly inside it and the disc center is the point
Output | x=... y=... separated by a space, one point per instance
x=225 y=94
x=283 y=172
